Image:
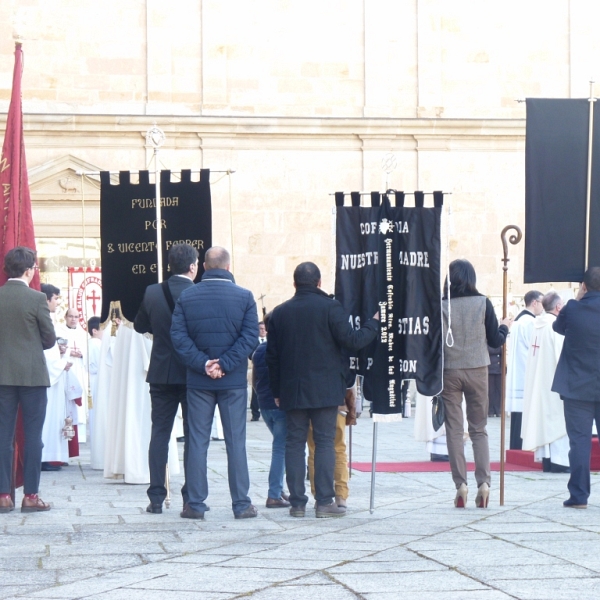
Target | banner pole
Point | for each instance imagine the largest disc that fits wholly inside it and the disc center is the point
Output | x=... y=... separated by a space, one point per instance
x=514 y=239
x=589 y=175
x=373 y=465
x=155 y=138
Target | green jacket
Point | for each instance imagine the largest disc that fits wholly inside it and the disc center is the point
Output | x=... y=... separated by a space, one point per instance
x=26 y=330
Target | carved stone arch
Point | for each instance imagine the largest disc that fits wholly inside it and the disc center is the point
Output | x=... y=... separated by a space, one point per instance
x=56 y=197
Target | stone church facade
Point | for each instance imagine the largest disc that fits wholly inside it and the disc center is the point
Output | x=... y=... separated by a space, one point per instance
x=287 y=102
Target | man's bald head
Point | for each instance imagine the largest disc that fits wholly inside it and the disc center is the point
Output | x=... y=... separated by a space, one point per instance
x=216 y=258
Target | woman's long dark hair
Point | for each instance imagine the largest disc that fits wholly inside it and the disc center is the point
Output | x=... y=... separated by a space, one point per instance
x=462 y=279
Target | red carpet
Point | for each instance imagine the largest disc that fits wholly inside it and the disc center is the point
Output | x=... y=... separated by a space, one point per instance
x=525 y=459
x=428 y=467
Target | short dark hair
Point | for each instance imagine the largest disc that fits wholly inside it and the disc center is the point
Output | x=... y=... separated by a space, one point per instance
x=463 y=280
x=266 y=320
x=592 y=279
x=181 y=256
x=93 y=323
x=531 y=296
x=217 y=258
x=50 y=290
x=550 y=301
x=18 y=260
x=307 y=273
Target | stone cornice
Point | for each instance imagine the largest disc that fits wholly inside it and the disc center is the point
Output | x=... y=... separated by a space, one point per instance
x=236 y=126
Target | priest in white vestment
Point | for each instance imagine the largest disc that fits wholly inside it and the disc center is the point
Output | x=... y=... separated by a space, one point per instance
x=543 y=429
x=129 y=422
x=516 y=358
x=77 y=351
x=56 y=448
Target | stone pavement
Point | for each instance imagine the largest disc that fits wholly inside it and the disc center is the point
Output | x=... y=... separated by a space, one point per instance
x=99 y=543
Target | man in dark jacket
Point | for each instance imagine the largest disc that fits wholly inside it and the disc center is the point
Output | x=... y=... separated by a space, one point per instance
x=214 y=331
x=166 y=373
x=25 y=332
x=307 y=370
x=577 y=380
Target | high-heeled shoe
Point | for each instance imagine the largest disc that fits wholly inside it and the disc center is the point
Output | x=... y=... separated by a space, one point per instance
x=461 y=496
x=483 y=496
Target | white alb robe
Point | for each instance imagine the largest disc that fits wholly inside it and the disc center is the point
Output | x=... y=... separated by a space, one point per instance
x=543 y=429
x=423 y=430
x=516 y=357
x=77 y=339
x=101 y=400
x=95 y=347
x=129 y=411
x=56 y=447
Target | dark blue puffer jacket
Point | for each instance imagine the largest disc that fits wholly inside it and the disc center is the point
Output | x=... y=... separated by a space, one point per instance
x=215 y=319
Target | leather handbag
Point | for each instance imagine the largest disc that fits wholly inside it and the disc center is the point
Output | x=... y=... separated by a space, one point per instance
x=438 y=412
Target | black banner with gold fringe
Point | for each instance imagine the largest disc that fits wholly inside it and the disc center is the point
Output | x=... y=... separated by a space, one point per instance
x=128 y=229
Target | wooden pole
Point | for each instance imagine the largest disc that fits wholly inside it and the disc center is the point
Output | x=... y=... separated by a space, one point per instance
x=514 y=239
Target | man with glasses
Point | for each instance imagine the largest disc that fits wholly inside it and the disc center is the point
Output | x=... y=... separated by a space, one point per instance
x=519 y=341
x=26 y=330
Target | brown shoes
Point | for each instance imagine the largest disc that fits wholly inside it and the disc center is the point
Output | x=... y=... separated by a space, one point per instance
x=330 y=510
x=189 y=513
x=6 y=504
x=341 y=502
x=277 y=503
x=34 y=503
x=249 y=513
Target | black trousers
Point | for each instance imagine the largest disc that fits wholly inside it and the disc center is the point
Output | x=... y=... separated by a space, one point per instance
x=516 y=442
x=254 y=405
x=323 y=421
x=495 y=394
x=32 y=401
x=166 y=399
x=579 y=419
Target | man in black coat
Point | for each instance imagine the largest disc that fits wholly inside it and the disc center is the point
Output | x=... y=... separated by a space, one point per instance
x=307 y=369
x=166 y=373
x=577 y=380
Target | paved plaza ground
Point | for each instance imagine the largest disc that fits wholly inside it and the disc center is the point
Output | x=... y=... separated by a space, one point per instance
x=99 y=543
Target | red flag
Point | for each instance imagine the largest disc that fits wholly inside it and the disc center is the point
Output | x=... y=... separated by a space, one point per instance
x=16 y=222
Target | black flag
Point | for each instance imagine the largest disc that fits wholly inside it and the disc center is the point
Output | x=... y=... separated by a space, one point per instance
x=556 y=165
x=388 y=259
x=128 y=231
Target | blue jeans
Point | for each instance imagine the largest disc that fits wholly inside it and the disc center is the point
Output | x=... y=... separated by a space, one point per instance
x=275 y=421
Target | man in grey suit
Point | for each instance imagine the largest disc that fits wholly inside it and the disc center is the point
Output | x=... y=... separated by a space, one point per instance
x=166 y=374
x=25 y=332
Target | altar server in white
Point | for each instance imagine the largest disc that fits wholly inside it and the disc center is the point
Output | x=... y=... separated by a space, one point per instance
x=94 y=350
x=102 y=395
x=56 y=448
x=128 y=422
x=518 y=346
x=543 y=429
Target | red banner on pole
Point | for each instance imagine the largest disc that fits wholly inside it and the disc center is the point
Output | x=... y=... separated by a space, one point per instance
x=16 y=221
